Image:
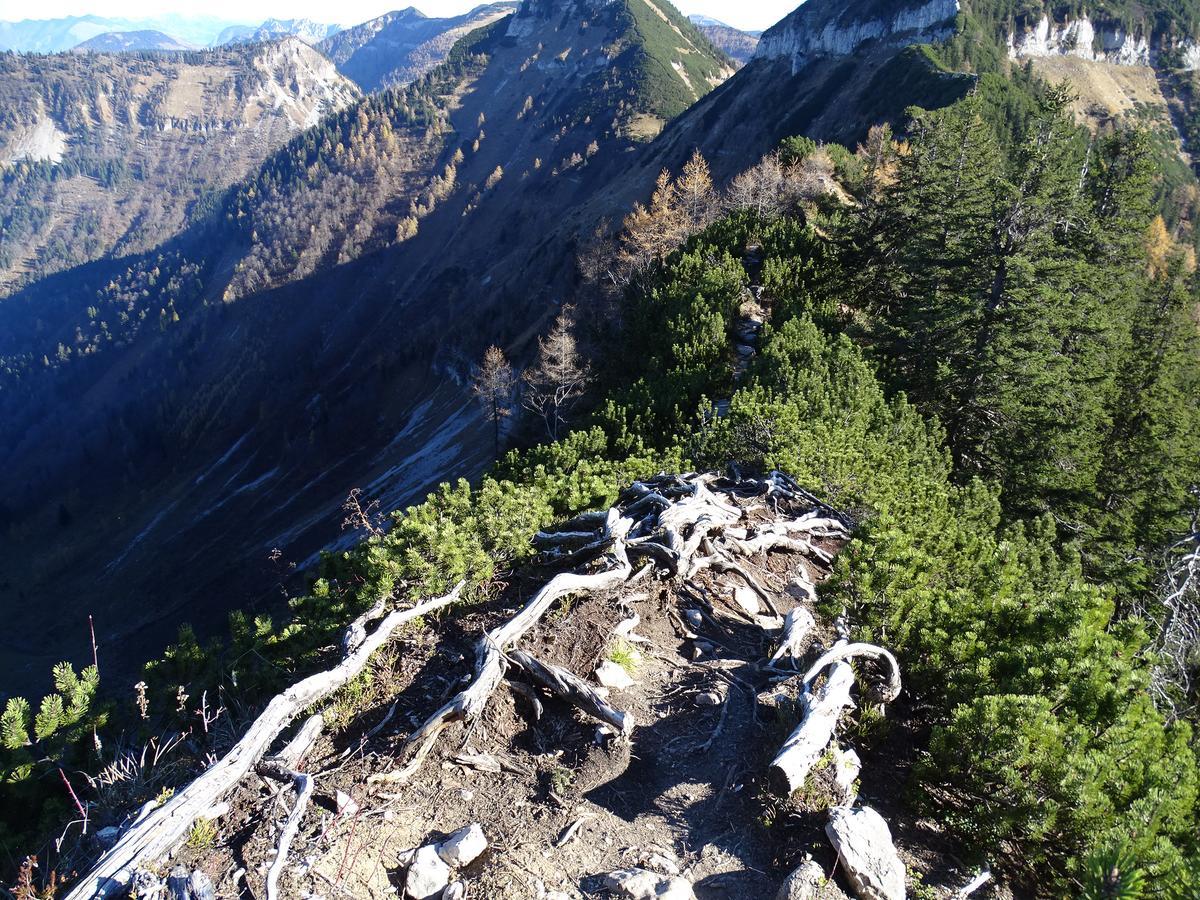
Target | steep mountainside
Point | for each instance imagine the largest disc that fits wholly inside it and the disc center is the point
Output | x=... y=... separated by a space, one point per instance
x=132 y=41
x=56 y=35
x=307 y=30
x=737 y=45
x=399 y=47
x=108 y=154
x=829 y=70
x=360 y=268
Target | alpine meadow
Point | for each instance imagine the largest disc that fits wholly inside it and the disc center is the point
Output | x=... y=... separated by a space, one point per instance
x=573 y=449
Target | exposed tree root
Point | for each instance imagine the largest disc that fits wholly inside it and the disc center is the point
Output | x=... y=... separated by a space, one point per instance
x=157 y=833
x=681 y=524
x=574 y=690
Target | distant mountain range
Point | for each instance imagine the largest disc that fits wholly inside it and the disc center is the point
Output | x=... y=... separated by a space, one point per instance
x=272 y=29
x=132 y=41
x=56 y=35
x=169 y=32
x=738 y=45
x=392 y=49
x=398 y=47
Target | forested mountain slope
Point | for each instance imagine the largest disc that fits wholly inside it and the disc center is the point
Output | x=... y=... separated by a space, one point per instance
x=1002 y=536
x=970 y=341
x=397 y=48
x=393 y=239
x=108 y=155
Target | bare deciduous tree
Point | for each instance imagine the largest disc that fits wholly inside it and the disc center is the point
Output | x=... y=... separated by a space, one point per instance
x=559 y=377
x=695 y=195
x=760 y=190
x=493 y=383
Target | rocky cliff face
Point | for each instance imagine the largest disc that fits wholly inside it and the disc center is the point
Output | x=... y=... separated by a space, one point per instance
x=121 y=148
x=827 y=28
x=1100 y=41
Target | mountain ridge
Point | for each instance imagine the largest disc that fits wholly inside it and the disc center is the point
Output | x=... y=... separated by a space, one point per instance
x=398 y=47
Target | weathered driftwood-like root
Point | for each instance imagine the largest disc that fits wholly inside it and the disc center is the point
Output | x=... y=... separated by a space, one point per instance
x=664 y=518
x=356 y=632
x=297 y=748
x=489 y=653
x=797 y=625
x=304 y=784
x=721 y=563
x=840 y=651
x=282 y=767
x=806 y=745
x=973 y=885
x=822 y=711
x=154 y=836
x=574 y=690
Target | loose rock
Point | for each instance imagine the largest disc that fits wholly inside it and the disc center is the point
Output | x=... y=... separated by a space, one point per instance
x=427 y=875
x=864 y=843
x=464 y=846
x=747 y=600
x=640 y=884
x=805 y=883
x=611 y=675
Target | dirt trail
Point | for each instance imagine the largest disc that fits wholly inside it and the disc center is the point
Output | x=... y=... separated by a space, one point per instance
x=572 y=802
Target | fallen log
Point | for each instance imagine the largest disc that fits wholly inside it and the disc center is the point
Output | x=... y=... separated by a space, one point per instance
x=154 y=836
x=574 y=690
x=806 y=744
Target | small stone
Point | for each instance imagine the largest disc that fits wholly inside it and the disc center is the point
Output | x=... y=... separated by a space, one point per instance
x=611 y=675
x=659 y=862
x=464 y=846
x=709 y=698
x=427 y=875
x=108 y=836
x=846 y=768
x=804 y=883
x=769 y=623
x=455 y=891
x=345 y=804
x=747 y=600
x=694 y=618
x=802 y=589
x=701 y=649
x=640 y=884
x=200 y=886
x=467 y=796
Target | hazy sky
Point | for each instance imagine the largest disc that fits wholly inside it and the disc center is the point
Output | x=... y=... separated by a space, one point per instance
x=750 y=14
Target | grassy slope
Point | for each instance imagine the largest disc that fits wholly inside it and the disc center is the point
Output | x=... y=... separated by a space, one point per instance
x=667 y=39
